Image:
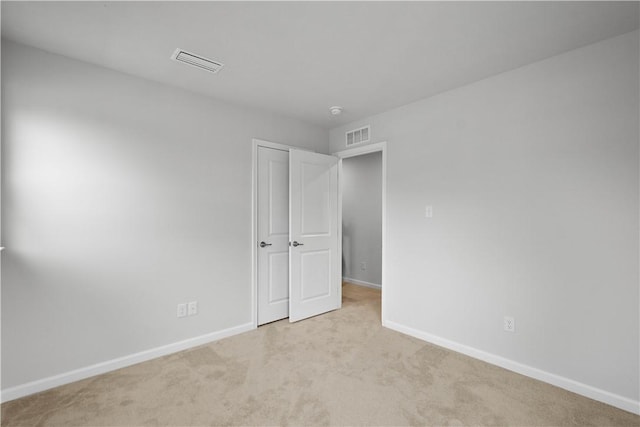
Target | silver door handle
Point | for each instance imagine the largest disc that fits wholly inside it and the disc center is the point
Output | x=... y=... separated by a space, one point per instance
x=296 y=244
x=264 y=245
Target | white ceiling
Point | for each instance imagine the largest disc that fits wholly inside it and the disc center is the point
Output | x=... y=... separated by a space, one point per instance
x=299 y=58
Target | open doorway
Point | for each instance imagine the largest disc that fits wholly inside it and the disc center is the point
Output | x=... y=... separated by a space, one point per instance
x=362 y=220
x=362 y=186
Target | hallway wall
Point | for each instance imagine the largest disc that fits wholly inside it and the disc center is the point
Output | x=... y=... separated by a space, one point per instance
x=362 y=218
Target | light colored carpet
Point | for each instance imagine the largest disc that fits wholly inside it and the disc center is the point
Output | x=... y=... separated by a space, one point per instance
x=341 y=368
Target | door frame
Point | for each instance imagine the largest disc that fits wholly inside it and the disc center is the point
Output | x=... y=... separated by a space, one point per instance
x=354 y=152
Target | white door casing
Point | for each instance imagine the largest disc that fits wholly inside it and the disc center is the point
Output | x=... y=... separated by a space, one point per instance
x=358 y=151
x=314 y=263
x=273 y=230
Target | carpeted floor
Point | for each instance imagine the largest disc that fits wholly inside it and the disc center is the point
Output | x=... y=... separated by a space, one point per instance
x=341 y=368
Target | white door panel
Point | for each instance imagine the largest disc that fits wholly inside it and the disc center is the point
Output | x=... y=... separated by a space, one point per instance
x=273 y=230
x=314 y=267
x=315 y=279
x=278 y=169
x=316 y=203
x=278 y=279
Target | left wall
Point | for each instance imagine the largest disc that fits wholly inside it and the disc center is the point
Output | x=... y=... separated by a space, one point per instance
x=121 y=198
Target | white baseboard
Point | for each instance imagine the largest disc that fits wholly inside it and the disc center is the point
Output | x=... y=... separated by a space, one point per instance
x=361 y=283
x=538 y=374
x=121 y=362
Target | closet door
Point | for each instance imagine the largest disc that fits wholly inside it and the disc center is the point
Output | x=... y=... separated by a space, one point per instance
x=314 y=267
x=273 y=235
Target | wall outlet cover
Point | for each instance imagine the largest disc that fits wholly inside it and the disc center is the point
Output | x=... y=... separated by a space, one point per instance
x=192 y=308
x=182 y=310
x=509 y=324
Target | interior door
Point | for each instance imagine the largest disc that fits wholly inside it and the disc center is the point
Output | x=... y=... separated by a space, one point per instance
x=273 y=234
x=314 y=267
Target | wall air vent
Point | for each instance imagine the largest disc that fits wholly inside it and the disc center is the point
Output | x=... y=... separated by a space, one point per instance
x=358 y=136
x=196 y=60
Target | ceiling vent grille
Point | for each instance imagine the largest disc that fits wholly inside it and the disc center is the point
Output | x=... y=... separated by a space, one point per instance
x=196 y=61
x=358 y=136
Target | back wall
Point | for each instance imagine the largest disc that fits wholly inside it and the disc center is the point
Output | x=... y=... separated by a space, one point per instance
x=122 y=198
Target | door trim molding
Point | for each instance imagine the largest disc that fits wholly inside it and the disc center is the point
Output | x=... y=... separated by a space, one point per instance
x=254 y=218
x=358 y=151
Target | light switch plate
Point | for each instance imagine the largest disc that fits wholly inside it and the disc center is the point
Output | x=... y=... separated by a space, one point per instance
x=428 y=211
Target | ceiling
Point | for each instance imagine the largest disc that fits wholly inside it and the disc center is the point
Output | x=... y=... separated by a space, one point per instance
x=299 y=58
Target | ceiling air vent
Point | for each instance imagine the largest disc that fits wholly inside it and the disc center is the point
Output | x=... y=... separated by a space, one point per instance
x=196 y=60
x=358 y=136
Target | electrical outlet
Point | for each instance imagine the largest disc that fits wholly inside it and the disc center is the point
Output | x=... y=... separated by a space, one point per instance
x=192 y=308
x=509 y=324
x=363 y=266
x=182 y=310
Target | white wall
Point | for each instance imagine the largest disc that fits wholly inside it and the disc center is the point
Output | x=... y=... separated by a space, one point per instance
x=362 y=218
x=122 y=198
x=533 y=178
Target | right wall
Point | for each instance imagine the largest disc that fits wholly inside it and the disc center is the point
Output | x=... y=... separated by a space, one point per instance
x=533 y=179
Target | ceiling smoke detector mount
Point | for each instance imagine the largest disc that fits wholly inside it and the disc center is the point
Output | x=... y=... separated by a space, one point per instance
x=335 y=110
x=196 y=60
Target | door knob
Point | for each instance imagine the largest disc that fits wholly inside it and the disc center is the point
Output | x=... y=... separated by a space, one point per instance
x=264 y=245
x=296 y=244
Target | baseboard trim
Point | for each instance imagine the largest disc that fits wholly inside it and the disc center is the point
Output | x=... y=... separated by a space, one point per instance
x=594 y=393
x=361 y=283
x=121 y=362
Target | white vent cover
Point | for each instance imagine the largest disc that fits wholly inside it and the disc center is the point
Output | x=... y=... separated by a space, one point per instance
x=358 y=136
x=196 y=60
